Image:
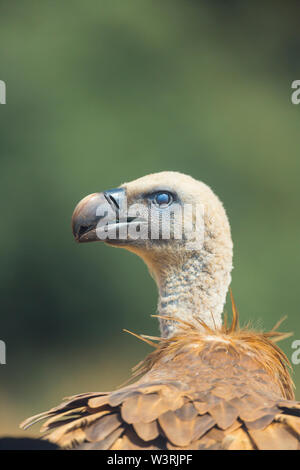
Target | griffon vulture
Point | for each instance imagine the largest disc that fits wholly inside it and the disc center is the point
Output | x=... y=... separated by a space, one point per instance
x=207 y=384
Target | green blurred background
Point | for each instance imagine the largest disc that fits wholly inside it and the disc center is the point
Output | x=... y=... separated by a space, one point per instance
x=102 y=92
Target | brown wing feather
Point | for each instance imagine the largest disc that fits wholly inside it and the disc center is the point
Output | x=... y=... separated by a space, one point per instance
x=197 y=392
x=276 y=436
x=147 y=431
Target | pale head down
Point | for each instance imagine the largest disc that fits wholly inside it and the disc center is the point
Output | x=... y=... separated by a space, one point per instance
x=192 y=283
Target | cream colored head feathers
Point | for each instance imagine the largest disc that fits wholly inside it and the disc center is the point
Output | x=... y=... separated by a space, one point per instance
x=191 y=283
x=192 y=277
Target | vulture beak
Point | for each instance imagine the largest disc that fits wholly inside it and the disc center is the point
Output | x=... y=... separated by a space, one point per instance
x=100 y=215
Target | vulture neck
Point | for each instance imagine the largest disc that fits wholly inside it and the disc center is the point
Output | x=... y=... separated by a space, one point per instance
x=196 y=289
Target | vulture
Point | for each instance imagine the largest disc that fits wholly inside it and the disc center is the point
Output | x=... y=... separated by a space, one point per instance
x=208 y=383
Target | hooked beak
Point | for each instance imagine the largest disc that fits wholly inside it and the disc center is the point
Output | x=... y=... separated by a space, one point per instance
x=96 y=211
x=106 y=217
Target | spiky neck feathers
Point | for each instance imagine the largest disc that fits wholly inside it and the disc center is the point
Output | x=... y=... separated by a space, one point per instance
x=228 y=346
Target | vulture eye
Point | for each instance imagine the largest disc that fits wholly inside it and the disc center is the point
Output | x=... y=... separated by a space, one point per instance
x=163 y=199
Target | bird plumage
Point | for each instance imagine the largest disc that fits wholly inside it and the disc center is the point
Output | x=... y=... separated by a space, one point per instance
x=217 y=389
x=205 y=385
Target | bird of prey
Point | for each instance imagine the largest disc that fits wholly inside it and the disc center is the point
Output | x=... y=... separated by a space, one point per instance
x=207 y=384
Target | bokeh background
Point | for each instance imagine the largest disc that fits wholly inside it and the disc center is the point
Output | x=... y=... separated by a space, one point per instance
x=102 y=92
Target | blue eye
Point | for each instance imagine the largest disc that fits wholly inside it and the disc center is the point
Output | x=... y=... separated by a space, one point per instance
x=163 y=199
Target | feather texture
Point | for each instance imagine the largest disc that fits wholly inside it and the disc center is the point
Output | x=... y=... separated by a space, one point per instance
x=225 y=389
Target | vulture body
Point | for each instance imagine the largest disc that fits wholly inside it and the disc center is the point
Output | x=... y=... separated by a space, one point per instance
x=206 y=385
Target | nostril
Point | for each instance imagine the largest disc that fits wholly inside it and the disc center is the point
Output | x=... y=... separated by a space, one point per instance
x=115 y=202
x=84 y=229
x=111 y=200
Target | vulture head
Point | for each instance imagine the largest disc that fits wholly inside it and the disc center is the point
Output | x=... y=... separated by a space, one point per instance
x=179 y=227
